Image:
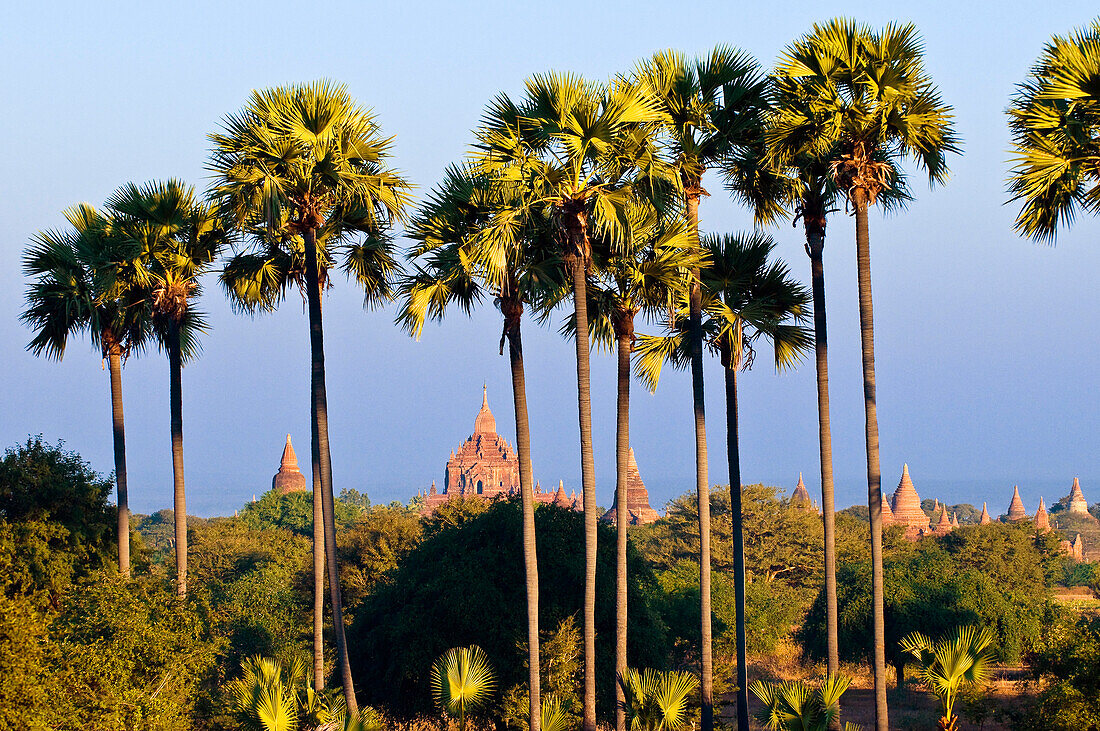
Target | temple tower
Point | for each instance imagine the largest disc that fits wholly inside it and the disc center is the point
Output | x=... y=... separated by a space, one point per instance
x=637 y=498
x=985 y=519
x=906 y=504
x=1016 y=510
x=943 y=526
x=289 y=478
x=1077 y=502
x=1042 y=520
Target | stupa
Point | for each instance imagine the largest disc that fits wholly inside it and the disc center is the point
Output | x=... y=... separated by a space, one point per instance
x=801 y=494
x=943 y=526
x=1042 y=520
x=1016 y=510
x=1077 y=502
x=289 y=478
x=985 y=519
x=637 y=498
x=887 y=514
x=954 y=520
x=906 y=505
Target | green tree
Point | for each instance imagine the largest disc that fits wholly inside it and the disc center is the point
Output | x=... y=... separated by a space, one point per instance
x=303 y=170
x=1054 y=119
x=1068 y=660
x=476 y=237
x=73 y=290
x=293 y=511
x=578 y=152
x=713 y=109
x=794 y=705
x=950 y=665
x=873 y=101
x=176 y=240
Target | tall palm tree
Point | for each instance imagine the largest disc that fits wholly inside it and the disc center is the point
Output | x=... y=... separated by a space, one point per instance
x=1055 y=123
x=73 y=290
x=176 y=240
x=464 y=251
x=789 y=175
x=714 y=109
x=747 y=298
x=581 y=152
x=307 y=166
x=872 y=101
x=648 y=276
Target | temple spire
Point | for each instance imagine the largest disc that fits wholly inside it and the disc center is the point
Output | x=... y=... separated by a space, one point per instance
x=1042 y=520
x=1016 y=507
x=985 y=519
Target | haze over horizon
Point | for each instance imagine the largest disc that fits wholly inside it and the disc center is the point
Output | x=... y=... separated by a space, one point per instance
x=986 y=347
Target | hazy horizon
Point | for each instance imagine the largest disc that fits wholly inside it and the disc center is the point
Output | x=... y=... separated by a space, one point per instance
x=986 y=346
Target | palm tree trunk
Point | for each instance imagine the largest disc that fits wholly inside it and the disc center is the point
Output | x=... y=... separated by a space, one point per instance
x=733 y=456
x=318 y=573
x=114 y=360
x=702 y=486
x=527 y=495
x=588 y=485
x=179 y=502
x=874 y=476
x=815 y=247
x=622 y=516
x=323 y=459
x=815 y=237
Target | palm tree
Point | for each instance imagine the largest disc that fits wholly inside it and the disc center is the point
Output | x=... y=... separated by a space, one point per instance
x=656 y=701
x=463 y=252
x=305 y=168
x=871 y=100
x=580 y=152
x=74 y=290
x=794 y=705
x=714 y=110
x=952 y=663
x=649 y=275
x=1055 y=123
x=176 y=242
x=746 y=298
x=462 y=680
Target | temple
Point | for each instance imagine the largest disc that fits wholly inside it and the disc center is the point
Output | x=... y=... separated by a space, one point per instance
x=289 y=478
x=637 y=499
x=1077 y=502
x=1016 y=510
x=906 y=509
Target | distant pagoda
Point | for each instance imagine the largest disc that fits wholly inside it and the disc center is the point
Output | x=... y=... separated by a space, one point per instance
x=800 y=498
x=1077 y=502
x=985 y=519
x=637 y=498
x=289 y=478
x=1016 y=510
x=1042 y=520
x=906 y=505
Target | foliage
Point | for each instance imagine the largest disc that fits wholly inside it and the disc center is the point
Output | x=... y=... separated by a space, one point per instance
x=44 y=483
x=951 y=664
x=1067 y=663
x=371 y=549
x=463 y=584
x=293 y=511
x=559 y=674
x=794 y=705
x=351 y=496
x=462 y=680
x=657 y=701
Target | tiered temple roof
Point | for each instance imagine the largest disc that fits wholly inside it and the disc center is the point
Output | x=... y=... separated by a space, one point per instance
x=637 y=498
x=1077 y=502
x=1016 y=510
x=906 y=504
x=289 y=478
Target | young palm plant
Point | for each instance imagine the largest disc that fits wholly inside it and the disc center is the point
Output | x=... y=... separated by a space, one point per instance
x=795 y=706
x=304 y=170
x=75 y=289
x=1055 y=123
x=747 y=298
x=872 y=101
x=657 y=701
x=713 y=108
x=176 y=240
x=579 y=152
x=462 y=680
x=951 y=664
x=473 y=238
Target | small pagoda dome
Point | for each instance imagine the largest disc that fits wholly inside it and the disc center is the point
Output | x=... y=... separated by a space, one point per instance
x=1077 y=502
x=954 y=520
x=906 y=504
x=1016 y=510
x=484 y=423
x=1042 y=520
x=944 y=523
x=289 y=478
x=985 y=519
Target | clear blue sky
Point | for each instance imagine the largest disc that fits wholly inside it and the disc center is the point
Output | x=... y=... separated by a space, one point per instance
x=987 y=345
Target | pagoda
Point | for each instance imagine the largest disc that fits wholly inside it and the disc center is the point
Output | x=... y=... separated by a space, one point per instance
x=906 y=506
x=985 y=519
x=1016 y=510
x=289 y=478
x=943 y=526
x=1077 y=502
x=1042 y=520
x=637 y=498
x=801 y=496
